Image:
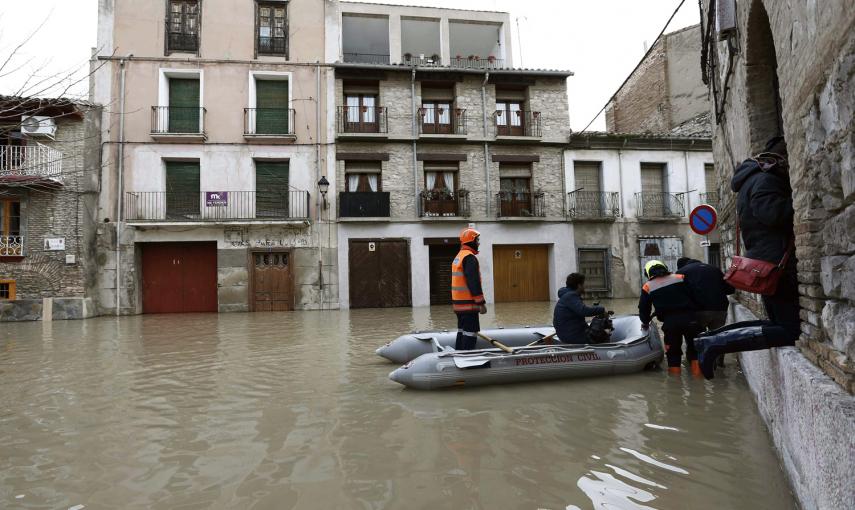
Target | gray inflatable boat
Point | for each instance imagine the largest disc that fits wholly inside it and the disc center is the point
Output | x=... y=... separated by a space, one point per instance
x=631 y=350
x=412 y=345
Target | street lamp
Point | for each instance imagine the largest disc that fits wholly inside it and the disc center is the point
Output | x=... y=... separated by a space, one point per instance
x=324 y=186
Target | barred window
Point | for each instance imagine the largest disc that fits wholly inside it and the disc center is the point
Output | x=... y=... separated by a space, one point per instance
x=593 y=263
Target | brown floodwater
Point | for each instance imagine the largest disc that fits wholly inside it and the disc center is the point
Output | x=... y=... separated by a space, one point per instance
x=294 y=410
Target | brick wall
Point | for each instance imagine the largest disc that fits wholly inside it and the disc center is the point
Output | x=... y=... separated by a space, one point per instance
x=641 y=105
x=66 y=212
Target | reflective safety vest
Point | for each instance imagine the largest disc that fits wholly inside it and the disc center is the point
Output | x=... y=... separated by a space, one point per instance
x=462 y=299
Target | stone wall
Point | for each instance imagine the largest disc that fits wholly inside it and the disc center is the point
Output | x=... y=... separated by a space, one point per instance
x=67 y=212
x=814 y=47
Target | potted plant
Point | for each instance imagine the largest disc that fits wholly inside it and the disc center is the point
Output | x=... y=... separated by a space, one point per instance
x=408 y=56
x=434 y=59
x=492 y=59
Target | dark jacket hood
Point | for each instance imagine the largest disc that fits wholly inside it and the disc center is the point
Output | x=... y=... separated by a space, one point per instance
x=742 y=173
x=564 y=290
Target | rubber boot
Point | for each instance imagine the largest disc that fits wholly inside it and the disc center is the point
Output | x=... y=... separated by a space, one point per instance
x=674 y=370
x=696 y=368
x=736 y=340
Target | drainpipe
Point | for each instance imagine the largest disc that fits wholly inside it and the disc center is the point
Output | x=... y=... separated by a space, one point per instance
x=620 y=181
x=486 y=144
x=318 y=205
x=415 y=137
x=686 y=170
x=120 y=188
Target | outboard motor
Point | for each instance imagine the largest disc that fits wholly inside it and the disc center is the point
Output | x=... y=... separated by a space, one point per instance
x=601 y=328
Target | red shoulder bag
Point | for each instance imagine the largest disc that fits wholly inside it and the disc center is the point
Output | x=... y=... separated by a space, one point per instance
x=757 y=276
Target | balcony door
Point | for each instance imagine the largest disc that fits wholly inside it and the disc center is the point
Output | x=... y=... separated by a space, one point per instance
x=271 y=189
x=271 y=107
x=11 y=241
x=437 y=117
x=653 y=199
x=184 y=107
x=515 y=196
x=183 y=197
x=440 y=190
x=509 y=118
x=589 y=199
x=361 y=114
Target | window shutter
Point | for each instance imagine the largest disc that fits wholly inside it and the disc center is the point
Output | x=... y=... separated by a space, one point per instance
x=271 y=103
x=184 y=105
x=271 y=185
x=182 y=189
x=587 y=175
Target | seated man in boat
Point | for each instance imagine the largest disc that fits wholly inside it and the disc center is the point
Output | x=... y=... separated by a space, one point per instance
x=570 y=312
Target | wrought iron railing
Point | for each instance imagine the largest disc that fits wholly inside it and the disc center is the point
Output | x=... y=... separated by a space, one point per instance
x=11 y=246
x=656 y=205
x=268 y=121
x=442 y=121
x=444 y=204
x=712 y=198
x=178 y=41
x=365 y=58
x=361 y=119
x=593 y=204
x=272 y=45
x=422 y=61
x=520 y=123
x=31 y=160
x=212 y=206
x=511 y=204
x=476 y=62
x=363 y=204
x=186 y=120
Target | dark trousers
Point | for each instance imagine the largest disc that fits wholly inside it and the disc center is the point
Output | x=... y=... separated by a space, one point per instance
x=783 y=310
x=677 y=327
x=468 y=326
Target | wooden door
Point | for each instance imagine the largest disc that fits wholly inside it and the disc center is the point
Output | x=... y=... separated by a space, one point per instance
x=272 y=282
x=521 y=273
x=439 y=267
x=179 y=277
x=379 y=274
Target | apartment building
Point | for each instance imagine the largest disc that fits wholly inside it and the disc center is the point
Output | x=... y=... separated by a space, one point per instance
x=213 y=195
x=435 y=129
x=48 y=194
x=629 y=197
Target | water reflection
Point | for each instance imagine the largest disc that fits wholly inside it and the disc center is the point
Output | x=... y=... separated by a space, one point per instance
x=294 y=410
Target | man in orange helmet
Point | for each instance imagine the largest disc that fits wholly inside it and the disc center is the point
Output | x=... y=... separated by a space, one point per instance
x=467 y=298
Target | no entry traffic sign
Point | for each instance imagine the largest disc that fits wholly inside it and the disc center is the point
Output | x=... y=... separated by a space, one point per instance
x=703 y=219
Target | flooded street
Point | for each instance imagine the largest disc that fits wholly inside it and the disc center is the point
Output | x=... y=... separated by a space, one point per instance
x=294 y=410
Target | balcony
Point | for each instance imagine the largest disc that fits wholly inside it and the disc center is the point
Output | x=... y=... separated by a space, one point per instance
x=521 y=123
x=272 y=45
x=361 y=121
x=269 y=124
x=444 y=204
x=511 y=204
x=421 y=60
x=216 y=206
x=366 y=58
x=183 y=123
x=363 y=204
x=476 y=62
x=712 y=198
x=442 y=121
x=594 y=205
x=11 y=246
x=23 y=165
x=655 y=206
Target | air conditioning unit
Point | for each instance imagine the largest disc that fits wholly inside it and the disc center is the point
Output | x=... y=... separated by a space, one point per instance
x=38 y=126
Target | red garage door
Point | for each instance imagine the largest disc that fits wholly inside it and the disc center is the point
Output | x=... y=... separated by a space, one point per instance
x=179 y=277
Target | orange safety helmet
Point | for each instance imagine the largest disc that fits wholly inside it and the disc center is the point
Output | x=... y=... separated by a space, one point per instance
x=468 y=235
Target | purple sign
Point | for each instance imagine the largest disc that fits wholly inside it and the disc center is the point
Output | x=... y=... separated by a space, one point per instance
x=216 y=198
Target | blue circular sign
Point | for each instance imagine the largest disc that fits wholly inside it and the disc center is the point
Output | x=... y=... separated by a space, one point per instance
x=703 y=219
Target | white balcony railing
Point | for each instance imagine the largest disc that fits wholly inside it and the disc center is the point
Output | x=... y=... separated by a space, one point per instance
x=31 y=160
x=11 y=246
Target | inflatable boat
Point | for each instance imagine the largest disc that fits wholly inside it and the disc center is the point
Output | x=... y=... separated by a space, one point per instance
x=412 y=345
x=631 y=349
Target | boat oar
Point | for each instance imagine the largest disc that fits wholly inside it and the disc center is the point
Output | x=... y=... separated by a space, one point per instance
x=547 y=340
x=497 y=343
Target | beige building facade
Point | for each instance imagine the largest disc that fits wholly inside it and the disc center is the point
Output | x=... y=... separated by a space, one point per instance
x=217 y=139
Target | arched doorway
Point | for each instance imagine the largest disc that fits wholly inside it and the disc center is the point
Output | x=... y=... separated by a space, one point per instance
x=765 y=115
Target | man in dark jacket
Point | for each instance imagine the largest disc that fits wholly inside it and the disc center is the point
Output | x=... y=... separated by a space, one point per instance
x=764 y=208
x=670 y=296
x=570 y=312
x=709 y=290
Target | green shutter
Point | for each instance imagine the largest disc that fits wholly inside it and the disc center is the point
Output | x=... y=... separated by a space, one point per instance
x=271 y=103
x=182 y=189
x=271 y=185
x=183 y=105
